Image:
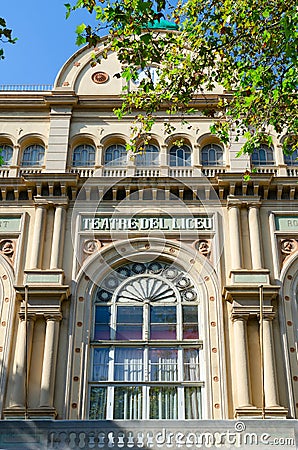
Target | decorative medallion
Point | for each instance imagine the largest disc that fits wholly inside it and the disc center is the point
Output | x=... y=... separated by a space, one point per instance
x=7 y=248
x=100 y=77
x=103 y=295
x=203 y=247
x=287 y=248
x=91 y=245
x=189 y=295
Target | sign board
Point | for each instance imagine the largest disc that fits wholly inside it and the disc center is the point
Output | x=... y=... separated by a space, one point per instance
x=137 y=223
x=10 y=223
x=286 y=223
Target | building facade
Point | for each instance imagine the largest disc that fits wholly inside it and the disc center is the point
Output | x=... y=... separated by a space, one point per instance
x=140 y=290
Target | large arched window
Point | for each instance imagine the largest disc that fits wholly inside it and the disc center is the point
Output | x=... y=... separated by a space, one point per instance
x=146 y=345
x=148 y=157
x=33 y=155
x=292 y=158
x=212 y=155
x=116 y=155
x=83 y=156
x=263 y=156
x=6 y=152
x=180 y=156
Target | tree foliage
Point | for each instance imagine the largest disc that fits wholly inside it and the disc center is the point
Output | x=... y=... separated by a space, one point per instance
x=5 y=36
x=248 y=47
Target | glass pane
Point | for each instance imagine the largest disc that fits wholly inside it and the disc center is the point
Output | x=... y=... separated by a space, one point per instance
x=163 y=403
x=128 y=403
x=98 y=403
x=193 y=407
x=129 y=322
x=162 y=332
x=191 y=364
x=163 y=322
x=130 y=314
x=190 y=322
x=163 y=364
x=102 y=323
x=100 y=364
x=128 y=364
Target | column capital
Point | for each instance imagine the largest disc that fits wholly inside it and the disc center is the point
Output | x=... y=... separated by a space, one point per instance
x=237 y=316
x=53 y=317
x=40 y=202
x=30 y=317
x=268 y=316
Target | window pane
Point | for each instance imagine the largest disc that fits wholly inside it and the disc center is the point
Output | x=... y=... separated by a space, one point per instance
x=98 y=403
x=129 y=322
x=128 y=364
x=191 y=364
x=128 y=403
x=193 y=408
x=190 y=322
x=163 y=364
x=102 y=323
x=163 y=403
x=163 y=322
x=100 y=364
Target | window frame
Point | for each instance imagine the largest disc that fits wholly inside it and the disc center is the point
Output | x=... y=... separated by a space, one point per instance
x=218 y=154
x=89 y=149
x=175 y=160
x=33 y=162
x=181 y=345
x=118 y=161
x=268 y=159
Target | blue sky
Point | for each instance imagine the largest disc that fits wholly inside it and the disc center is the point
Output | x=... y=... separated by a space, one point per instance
x=46 y=39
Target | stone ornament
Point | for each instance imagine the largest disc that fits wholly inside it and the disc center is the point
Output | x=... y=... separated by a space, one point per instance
x=100 y=77
x=7 y=248
x=203 y=247
x=286 y=248
x=91 y=245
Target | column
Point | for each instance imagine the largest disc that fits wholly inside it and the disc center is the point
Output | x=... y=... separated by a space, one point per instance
x=49 y=361
x=241 y=359
x=58 y=237
x=270 y=385
x=38 y=237
x=255 y=236
x=19 y=366
x=235 y=237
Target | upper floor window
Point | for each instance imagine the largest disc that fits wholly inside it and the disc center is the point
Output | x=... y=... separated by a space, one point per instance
x=212 y=155
x=116 y=155
x=180 y=156
x=83 y=156
x=147 y=344
x=148 y=157
x=291 y=159
x=6 y=152
x=33 y=155
x=263 y=156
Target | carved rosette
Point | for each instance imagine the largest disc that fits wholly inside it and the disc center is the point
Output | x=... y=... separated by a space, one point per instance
x=287 y=247
x=7 y=249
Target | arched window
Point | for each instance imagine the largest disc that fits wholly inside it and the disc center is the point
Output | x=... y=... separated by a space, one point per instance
x=146 y=345
x=6 y=152
x=148 y=157
x=83 y=156
x=116 y=155
x=212 y=155
x=180 y=156
x=263 y=156
x=292 y=158
x=33 y=155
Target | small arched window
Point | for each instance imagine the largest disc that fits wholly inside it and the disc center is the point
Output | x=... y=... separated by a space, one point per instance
x=148 y=157
x=292 y=158
x=180 y=156
x=212 y=155
x=33 y=155
x=263 y=156
x=116 y=155
x=6 y=152
x=83 y=156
